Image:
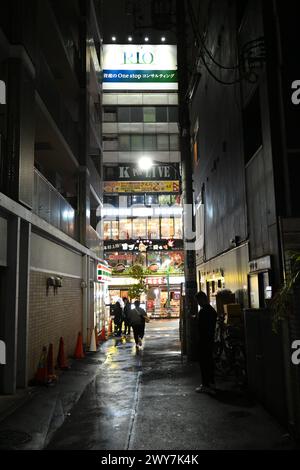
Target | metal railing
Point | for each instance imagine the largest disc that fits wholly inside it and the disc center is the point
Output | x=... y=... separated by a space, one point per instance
x=51 y=206
x=49 y=93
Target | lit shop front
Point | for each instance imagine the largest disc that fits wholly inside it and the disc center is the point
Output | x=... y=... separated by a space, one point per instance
x=101 y=296
x=163 y=273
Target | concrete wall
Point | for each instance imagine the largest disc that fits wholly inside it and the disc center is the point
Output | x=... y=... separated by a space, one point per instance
x=220 y=167
x=235 y=265
x=50 y=257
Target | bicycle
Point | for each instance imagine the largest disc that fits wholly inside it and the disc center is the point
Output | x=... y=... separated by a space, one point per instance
x=229 y=351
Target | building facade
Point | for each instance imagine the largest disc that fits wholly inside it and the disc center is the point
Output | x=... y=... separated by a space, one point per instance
x=50 y=179
x=141 y=218
x=245 y=146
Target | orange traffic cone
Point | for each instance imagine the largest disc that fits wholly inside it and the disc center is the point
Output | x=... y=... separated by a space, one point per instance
x=41 y=376
x=79 y=354
x=61 y=358
x=50 y=364
x=102 y=335
x=93 y=347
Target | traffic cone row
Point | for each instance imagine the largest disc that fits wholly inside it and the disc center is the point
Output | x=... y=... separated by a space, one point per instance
x=109 y=331
x=103 y=335
x=93 y=346
x=45 y=370
x=61 y=358
x=79 y=354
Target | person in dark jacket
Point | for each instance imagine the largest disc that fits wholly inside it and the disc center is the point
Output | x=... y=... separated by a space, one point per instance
x=207 y=318
x=118 y=318
x=137 y=321
x=126 y=311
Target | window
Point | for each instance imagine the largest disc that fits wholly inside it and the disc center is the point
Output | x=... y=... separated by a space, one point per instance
x=111 y=200
x=167 y=228
x=110 y=143
x=174 y=142
x=162 y=142
x=136 y=114
x=153 y=229
x=115 y=230
x=124 y=114
x=151 y=199
x=136 y=143
x=164 y=199
x=124 y=143
x=125 y=229
x=139 y=228
x=178 y=228
x=140 y=199
x=110 y=114
x=162 y=114
x=173 y=113
x=149 y=114
x=149 y=142
x=107 y=230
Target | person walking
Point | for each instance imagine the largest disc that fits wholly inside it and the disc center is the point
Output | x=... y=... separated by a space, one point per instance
x=137 y=319
x=118 y=319
x=126 y=311
x=207 y=318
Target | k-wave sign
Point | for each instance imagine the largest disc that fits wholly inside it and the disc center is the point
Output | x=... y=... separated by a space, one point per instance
x=132 y=173
x=144 y=67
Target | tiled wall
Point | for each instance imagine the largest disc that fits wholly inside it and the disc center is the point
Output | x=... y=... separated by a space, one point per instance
x=52 y=316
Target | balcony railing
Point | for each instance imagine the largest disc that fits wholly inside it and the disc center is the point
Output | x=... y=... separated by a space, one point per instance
x=94 y=242
x=49 y=93
x=51 y=206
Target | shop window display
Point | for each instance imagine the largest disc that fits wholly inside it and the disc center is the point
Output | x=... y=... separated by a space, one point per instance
x=139 y=228
x=167 y=228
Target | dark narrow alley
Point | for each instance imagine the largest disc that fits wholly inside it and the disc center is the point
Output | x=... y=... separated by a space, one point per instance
x=147 y=400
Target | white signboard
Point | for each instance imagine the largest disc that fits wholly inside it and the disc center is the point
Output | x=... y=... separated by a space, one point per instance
x=139 y=67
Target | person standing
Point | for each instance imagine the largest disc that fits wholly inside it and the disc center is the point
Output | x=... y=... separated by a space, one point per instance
x=118 y=319
x=207 y=318
x=137 y=319
x=126 y=311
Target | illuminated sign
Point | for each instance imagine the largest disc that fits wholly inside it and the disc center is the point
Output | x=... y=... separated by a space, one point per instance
x=151 y=245
x=103 y=272
x=139 y=67
x=132 y=173
x=112 y=187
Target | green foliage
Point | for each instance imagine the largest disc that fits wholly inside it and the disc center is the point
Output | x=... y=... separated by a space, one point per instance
x=135 y=291
x=282 y=301
x=139 y=273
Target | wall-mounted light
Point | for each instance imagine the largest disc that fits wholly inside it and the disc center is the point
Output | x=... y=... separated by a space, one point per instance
x=163 y=39
x=129 y=38
x=55 y=282
x=114 y=38
x=146 y=39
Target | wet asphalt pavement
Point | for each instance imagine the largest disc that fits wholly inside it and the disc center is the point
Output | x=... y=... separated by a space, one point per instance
x=147 y=400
